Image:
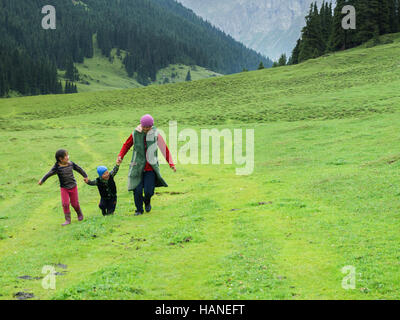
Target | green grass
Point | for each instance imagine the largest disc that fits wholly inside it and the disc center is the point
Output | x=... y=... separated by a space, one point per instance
x=101 y=73
x=324 y=193
x=177 y=73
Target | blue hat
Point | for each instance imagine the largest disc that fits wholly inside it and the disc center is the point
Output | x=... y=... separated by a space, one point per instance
x=101 y=170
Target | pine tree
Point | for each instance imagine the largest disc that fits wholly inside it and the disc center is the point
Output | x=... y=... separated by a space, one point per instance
x=384 y=17
x=282 y=60
x=393 y=18
x=397 y=14
x=337 y=39
x=261 y=66
x=326 y=23
x=71 y=72
x=376 y=40
x=2 y=86
x=188 y=76
x=59 y=88
x=312 y=43
x=367 y=20
x=67 y=87
x=294 y=59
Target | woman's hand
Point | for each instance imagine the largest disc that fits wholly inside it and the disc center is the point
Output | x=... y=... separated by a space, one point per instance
x=173 y=168
x=86 y=180
x=119 y=160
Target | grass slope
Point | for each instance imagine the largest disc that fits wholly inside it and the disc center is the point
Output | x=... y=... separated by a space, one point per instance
x=326 y=175
x=101 y=73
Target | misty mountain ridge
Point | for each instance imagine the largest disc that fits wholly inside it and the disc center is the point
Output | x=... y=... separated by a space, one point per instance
x=270 y=27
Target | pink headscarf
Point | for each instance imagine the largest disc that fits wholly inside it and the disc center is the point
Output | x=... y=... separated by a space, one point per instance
x=147 y=121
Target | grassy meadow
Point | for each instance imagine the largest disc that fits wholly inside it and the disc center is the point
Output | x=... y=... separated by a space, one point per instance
x=324 y=194
x=101 y=73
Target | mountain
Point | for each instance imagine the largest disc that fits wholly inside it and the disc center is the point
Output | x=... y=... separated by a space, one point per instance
x=153 y=33
x=267 y=26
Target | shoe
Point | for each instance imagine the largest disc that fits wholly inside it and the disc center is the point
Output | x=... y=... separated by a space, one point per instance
x=138 y=213
x=80 y=215
x=148 y=207
x=67 y=219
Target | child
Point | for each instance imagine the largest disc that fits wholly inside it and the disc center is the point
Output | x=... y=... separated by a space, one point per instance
x=107 y=189
x=69 y=189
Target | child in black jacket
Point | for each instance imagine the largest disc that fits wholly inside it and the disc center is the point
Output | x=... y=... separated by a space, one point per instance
x=107 y=189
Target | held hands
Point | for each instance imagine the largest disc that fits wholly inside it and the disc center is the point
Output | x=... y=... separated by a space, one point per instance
x=119 y=161
x=86 y=180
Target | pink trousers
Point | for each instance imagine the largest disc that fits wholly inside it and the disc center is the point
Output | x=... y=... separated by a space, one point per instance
x=70 y=196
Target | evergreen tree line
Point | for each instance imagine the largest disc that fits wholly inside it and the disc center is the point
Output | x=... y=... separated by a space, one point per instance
x=155 y=33
x=35 y=53
x=324 y=33
x=70 y=87
x=21 y=73
x=161 y=32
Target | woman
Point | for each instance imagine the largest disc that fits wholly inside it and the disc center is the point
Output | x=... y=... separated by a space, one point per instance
x=144 y=172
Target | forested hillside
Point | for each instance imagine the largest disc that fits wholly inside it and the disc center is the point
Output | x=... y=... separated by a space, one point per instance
x=155 y=33
x=324 y=33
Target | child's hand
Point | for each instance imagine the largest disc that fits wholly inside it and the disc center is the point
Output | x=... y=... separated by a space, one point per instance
x=119 y=160
x=173 y=168
x=86 y=180
x=40 y=182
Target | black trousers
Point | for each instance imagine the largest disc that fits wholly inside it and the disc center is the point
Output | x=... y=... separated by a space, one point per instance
x=147 y=185
x=107 y=206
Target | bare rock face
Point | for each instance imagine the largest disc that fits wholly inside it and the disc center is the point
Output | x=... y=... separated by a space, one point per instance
x=270 y=27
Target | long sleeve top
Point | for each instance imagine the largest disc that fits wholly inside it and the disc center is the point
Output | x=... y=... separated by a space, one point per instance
x=96 y=182
x=107 y=188
x=65 y=174
x=161 y=144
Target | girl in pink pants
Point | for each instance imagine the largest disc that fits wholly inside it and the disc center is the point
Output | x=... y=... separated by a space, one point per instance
x=69 y=189
x=70 y=196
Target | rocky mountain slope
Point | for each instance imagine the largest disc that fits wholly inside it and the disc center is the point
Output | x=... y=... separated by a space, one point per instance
x=268 y=26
